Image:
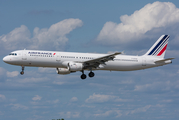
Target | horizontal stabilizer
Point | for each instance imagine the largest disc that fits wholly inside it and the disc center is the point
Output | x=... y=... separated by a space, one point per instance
x=158 y=61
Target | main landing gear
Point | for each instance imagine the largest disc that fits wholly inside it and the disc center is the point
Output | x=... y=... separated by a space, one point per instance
x=83 y=76
x=22 y=72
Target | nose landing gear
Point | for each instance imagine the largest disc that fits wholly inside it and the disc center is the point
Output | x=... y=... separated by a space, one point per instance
x=22 y=72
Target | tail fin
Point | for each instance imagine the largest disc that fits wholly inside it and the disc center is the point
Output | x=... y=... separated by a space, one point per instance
x=159 y=48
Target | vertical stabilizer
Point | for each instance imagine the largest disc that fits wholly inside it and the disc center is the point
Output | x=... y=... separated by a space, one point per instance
x=159 y=48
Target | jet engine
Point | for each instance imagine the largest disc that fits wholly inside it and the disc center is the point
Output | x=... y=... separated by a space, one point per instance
x=75 y=66
x=63 y=71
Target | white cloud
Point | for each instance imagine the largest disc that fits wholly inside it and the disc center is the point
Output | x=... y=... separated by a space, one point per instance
x=16 y=38
x=37 y=97
x=99 y=98
x=58 y=82
x=2 y=97
x=142 y=109
x=53 y=101
x=53 y=37
x=87 y=106
x=143 y=87
x=56 y=35
x=2 y=71
x=108 y=113
x=74 y=99
x=167 y=101
x=157 y=86
x=70 y=114
x=135 y=26
x=18 y=106
x=1 y=113
x=12 y=74
x=159 y=105
x=103 y=98
x=32 y=80
x=126 y=82
x=46 y=70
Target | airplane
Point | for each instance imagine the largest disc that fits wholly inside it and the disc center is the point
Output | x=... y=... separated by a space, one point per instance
x=69 y=62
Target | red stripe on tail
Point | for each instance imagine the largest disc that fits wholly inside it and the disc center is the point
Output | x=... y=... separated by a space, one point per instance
x=161 y=52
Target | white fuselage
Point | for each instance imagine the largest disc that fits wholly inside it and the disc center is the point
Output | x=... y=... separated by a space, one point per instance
x=54 y=59
x=68 y=62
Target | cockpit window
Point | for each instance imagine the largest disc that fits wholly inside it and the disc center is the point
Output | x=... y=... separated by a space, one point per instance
x=13 y=54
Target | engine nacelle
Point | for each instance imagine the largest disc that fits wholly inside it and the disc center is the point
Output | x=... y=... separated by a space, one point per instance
x=75 y=66
x=63 y=71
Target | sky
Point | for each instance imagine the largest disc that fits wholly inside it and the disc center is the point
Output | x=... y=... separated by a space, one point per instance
x=95 y=26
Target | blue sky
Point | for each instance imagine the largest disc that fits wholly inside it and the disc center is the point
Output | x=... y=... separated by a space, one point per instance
x=89 y=26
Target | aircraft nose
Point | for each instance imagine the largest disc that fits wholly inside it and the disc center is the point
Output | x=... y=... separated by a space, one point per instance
x=5 y=59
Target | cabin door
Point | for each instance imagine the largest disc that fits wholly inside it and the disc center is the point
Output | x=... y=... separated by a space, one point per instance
x=24 y=55
x=58 y=57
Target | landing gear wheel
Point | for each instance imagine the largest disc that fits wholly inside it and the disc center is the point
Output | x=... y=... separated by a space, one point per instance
x=21 y=72
x=83 y=76
x=91 y=74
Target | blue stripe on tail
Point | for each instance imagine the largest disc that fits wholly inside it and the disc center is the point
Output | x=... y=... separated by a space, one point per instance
x=162 y=45
x=158 y=44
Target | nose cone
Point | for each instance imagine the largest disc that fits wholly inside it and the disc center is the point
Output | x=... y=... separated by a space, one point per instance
x=10 y=60
x=6 y=59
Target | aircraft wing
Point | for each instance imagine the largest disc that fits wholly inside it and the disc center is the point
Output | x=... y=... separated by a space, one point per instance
x=95 y=63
